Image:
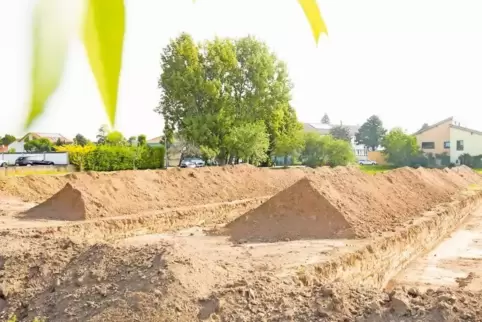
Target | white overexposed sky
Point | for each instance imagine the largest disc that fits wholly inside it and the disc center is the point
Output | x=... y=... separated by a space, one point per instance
x=410 y=61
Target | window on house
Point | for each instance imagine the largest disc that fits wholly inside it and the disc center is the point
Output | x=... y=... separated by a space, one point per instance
x=447 y=145
x=460 y=145
x=428 y=145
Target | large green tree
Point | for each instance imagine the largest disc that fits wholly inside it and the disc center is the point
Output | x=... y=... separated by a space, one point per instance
x=210 y=89
x=371 y=133
x=340 y=132
x=38 y=145
x=325 y=119
x=80 y=140
x=8 y=139
x=400 y=148
x=326 y=150
x=249 y=142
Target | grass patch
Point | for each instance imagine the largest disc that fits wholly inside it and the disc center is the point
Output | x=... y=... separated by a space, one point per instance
x=478 y=170
x=372 y=169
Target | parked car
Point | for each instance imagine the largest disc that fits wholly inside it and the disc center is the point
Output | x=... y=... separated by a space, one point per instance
x=367 y=162
x=3 y=163
x=192 y=163
x=30 y=161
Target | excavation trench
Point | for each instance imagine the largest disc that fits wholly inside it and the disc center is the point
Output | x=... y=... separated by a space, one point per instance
x=376 y=262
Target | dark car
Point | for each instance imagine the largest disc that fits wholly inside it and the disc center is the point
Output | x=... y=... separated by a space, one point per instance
x=29 y=161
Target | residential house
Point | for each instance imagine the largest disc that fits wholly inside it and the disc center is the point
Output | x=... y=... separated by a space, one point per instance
x=3 y=148
x=19 y=144
x=155 y=142
x=360 y=150
x=449 y=137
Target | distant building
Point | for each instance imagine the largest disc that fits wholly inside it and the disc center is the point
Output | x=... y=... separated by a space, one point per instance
x=360 y=150
x=19 y=144
x=448 y=137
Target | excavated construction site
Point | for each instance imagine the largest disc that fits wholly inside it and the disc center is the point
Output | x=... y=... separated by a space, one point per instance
x=240 y=243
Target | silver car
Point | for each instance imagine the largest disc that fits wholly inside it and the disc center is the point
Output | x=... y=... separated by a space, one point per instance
x=192 y=163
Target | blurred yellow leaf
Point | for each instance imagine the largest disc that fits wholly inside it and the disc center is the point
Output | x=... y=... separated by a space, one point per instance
x=103 y=40
x=312 y=12
x=50 y=46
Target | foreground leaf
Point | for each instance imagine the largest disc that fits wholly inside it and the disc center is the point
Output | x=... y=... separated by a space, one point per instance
x=50 y=46
x=103 y=40
x=312 y=12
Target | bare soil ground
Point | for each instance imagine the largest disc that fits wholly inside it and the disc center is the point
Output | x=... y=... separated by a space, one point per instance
x=276 y=269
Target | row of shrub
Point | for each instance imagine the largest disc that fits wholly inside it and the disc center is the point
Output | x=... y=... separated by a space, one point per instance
x=114 y=158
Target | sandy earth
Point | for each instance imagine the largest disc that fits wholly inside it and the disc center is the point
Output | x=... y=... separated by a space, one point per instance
x=143 y=246
x=455 y=263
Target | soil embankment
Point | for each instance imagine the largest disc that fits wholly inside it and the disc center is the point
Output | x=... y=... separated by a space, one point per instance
x=134 y=192
x=346 y=203
x=188 y=276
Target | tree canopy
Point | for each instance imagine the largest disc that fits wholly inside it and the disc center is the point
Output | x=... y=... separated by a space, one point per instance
x=80 y=140
x=38 y=145
x=7 y=139
x=371 y=133
x=325 y=119
x=341 y=132
x=326 y=150
x=214 y=88
x=400 y=148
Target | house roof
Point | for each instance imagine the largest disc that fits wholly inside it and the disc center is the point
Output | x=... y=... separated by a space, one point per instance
x=466 y=129
x=449 y=119
x=324 y=129
x=157 y=139
x=53 y=137
x=453 y=125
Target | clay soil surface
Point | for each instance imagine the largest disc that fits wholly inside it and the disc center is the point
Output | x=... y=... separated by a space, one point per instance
x=250 y=268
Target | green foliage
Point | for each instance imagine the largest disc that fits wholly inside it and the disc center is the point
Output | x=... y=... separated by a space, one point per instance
x=104 y=26
x=103 y=40
x=326 y=150
x=211 y=88
x=115 y=138
x=115 y=158
x=80 y=140
x=8 y=139
x=38 y=145
x=400 y=148
x=371 y=133
x=141 y=139
x=471 y=161
x=102 y=134
x=248 y=142
x=207 y=153
x=50 y=46
x=325 y=119
x=290 y=144
x=340 y=132
x=12 y=150
x=339 y=153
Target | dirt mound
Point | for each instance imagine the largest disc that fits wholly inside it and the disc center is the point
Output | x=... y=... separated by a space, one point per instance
x=134 y=192
x=67 y=204
x=343 y=202
x=298 y=212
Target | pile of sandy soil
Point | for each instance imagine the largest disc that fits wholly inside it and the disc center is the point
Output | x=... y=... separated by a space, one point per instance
x=94 y=195
x=167 y=282
x=345 y=202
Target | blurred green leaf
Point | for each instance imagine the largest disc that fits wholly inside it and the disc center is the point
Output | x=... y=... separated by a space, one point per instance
x=50 y=45
x=103 y=39
x=313 y=14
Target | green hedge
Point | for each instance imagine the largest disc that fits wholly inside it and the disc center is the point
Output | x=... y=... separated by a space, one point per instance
x=115 y=158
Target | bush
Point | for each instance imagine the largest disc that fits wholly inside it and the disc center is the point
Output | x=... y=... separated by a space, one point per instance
x=114 y=158
x=325 y=150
